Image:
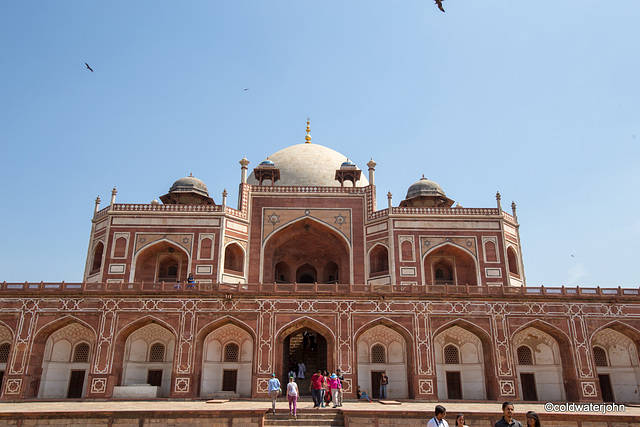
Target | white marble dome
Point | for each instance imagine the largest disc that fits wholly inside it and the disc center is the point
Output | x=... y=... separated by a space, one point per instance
x=309 y=165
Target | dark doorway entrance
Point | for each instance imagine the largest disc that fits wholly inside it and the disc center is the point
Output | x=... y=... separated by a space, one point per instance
x=229 y=380
x=454 y=385
x=376 y=376
x=528 y=382
x=605 y=388
x=313 y=355
x=75 y=385
x=154 y=377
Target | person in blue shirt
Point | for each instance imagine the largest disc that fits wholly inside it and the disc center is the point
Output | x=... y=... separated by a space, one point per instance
x=274 y=391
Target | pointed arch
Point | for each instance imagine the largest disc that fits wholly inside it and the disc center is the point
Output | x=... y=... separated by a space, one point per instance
x=409 y=350
x=567 y=355
x=146 y=260
x=201 y=336
x=488 y=352
x=296 y=326
x=306 y=240
x=234 y=258
x=378 y=260
x=454 y=260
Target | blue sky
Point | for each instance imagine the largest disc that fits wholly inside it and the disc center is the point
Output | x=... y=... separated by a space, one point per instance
x=539 y=100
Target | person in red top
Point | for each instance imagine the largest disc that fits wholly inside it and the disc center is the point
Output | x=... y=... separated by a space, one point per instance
x=315 y=388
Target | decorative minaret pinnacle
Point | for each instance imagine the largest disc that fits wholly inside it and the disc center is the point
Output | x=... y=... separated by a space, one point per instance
x=372 y=168
x=224 y=197
x=498 y=197
x=243 y=175
x=113 y=196
x=308 y=137
x=513 y=209
x=389 y=197
x=97 y=204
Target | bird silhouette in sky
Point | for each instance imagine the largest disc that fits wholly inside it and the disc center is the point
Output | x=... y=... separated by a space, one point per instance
x=246 y=88
x=88 y=68
x=439 y=3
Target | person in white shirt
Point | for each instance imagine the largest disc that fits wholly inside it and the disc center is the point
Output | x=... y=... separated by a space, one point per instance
x=438 y=420
x=302 y=368
x=292 y=396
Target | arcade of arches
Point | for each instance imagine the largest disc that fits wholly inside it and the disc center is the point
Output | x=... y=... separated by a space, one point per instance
x=227 y=359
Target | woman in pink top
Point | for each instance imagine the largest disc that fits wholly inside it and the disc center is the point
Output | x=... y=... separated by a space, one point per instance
x=334 y=387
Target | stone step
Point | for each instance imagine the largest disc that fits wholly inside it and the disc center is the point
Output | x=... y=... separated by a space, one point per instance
x=305 y=418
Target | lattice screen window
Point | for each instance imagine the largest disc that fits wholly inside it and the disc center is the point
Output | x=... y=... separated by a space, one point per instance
x=525 y=357
x=81 y=353
x=156 y=354
x=4 y=352
x=600 y=355
x=451 y=355
x=377 y=354
x=231 y=352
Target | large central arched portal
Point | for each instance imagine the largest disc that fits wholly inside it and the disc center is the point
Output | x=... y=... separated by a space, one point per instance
x=306 y=251
x=308 y=342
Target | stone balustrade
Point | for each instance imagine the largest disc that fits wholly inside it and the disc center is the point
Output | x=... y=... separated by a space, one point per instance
x=319 y=288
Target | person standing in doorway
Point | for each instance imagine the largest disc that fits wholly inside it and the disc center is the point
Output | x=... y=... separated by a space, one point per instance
x=274 y=391
x=312 y=341
x=316 y=388
x=384 y=382
x=305 y=340
x=507 y=417
x=292 y=396
x=302 y=368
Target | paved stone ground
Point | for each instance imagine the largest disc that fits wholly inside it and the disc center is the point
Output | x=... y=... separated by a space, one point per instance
x=282 y=406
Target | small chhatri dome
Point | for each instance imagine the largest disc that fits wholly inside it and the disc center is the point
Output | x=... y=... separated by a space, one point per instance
x=189 y=184
x=424 y=187
x=188 y=190
x=426 y=194
x=348 y=163
x=267 y=162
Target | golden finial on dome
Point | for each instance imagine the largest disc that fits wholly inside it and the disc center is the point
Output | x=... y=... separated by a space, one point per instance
x=308 y=137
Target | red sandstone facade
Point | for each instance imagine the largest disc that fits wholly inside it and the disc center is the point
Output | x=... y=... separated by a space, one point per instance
x=431 y=294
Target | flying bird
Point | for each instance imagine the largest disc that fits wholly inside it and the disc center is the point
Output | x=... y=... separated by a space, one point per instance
x=439 y=3
x=88 y=68
x=247 y=89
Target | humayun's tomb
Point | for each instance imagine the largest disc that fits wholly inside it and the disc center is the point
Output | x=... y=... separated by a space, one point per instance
x=432 y=294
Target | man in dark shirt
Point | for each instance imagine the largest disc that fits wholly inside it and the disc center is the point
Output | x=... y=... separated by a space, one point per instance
x=507 y=417
x=316 y=387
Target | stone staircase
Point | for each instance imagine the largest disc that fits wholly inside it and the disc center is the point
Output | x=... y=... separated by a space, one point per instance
x=306 y=417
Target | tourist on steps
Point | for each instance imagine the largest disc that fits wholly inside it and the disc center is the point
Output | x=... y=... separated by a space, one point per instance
x=316 y=388
x=274 y=391
x=292 y=396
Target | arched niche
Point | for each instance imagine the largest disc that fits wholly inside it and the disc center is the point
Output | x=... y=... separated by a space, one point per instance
x=163 y=261
x=142 y=366
x=460 y=365
x=540 y=372
x=306 y=242
x=227 y=362
x=63 y=375
x=382 y=349
x=449 y=264
x=617 y=366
